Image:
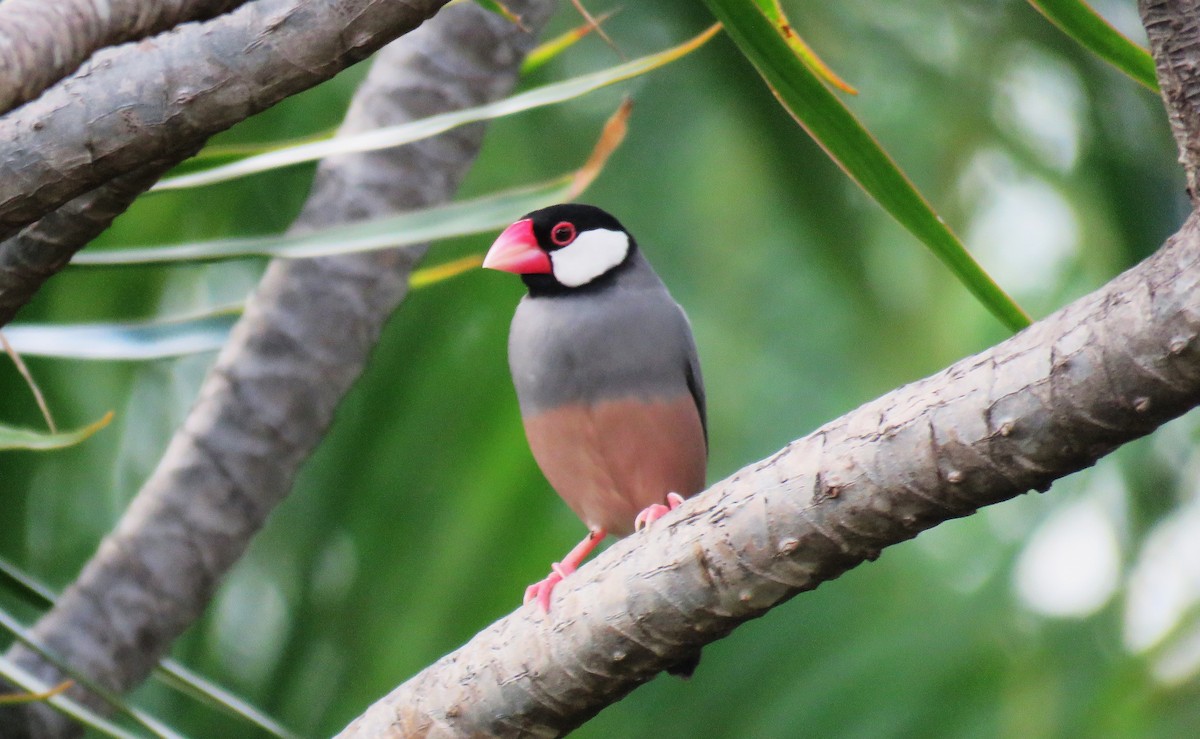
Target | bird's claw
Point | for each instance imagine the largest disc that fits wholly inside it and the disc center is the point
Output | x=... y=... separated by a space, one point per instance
x=656 y=511
x=540 y=591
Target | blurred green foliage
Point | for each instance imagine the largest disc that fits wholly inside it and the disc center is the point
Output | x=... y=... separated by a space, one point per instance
x=422 y=516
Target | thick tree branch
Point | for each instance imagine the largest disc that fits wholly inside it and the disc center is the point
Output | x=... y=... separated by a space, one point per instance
x=151 y=100
x=1107 y=369
x=1173 y=27
x=42 y=42
x=304 y=338
x=44 y=247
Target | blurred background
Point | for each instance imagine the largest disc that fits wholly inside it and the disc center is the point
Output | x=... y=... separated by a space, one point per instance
x=422 y=516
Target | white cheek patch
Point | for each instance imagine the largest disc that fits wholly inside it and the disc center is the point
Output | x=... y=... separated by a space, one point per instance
x=590 y=255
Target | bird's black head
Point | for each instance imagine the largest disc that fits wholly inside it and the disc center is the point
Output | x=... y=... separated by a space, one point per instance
x=562 y=248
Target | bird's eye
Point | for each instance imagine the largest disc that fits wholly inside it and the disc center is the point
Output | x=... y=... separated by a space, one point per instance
x=563 y=233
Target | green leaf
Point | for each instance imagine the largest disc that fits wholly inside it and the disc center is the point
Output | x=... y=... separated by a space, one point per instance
x=383 y=138
x=186 y=681
x=217 y=154
x=13 y=438
x=66 y=704
x=159 y=339
x=9 y=699
x=176 y=336
x=169 y=671
x=19 y=677
x=413 y=227
x=844 y=139
x=773 y=9
x=1077 y=19
x=164 y=338
x=501 y=10
x=548 y=50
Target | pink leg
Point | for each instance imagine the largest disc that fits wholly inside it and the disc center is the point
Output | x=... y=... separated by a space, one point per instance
x=540 y=591
x=656 y=511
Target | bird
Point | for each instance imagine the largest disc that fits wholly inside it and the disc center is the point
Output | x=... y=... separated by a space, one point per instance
x=606 y=373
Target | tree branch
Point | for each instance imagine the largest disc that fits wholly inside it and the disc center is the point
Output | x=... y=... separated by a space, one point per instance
x=44 y=247
x=42 y=42
x=304 y=338
x=1174 y=33
x=164 y=95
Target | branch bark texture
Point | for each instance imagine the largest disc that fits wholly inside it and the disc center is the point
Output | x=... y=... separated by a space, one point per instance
x=1173 y=28
x=41 y=42
x=151 y=100
x=304 y=338
x=41 y=249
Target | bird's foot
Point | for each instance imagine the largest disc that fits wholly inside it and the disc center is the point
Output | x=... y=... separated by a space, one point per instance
x=656 y=511
x=540 y=591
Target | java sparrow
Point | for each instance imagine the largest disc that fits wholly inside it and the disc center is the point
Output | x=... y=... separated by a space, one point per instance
x=606 y=374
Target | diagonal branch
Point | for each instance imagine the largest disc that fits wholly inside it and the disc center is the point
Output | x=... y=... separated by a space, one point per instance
x=42 y=42
x=303 y=340
x=38 y=251
x=1174 y=33
x=152 y=100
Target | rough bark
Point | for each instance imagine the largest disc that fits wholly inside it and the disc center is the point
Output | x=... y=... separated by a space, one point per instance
x=41 y=249
x=1173 y=27
x=304 y=338
x=42 y=42
x=1107 y=369
x=164 y=95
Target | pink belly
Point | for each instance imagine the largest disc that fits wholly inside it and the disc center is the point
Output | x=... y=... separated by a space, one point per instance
x=611 y=459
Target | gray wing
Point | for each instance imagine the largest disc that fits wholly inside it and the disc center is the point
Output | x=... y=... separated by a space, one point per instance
x=695 y=380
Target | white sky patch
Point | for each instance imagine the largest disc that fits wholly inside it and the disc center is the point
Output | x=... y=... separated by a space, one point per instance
x=1040 y=101
x=1071 y=565
x=590 y=255
x=1124 y=17
x=1179 y=661
x=1022 y=229
x=250 y=623
x=1165 y=583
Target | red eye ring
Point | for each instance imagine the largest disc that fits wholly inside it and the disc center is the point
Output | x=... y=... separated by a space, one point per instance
x=563 y=233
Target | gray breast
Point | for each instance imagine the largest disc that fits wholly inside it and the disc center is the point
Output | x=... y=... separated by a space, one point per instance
x=628 y=340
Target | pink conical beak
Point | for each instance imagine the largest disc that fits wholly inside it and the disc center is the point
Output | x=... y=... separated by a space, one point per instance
x=516 y=250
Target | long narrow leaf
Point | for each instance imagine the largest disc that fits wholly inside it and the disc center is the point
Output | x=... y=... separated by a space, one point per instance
x=165 y=338
x=218 y=154
x=23 y=635
x=406 y=133
x=773 y=9
x=176 y=336
x=844 y=139
x=168 y=670
x=186 y=681
x=548 y=50
x=1077 y=19
x=14 y=438
x=16 y=675
x=137 y=341
x=10 y=699
x=413 y=227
